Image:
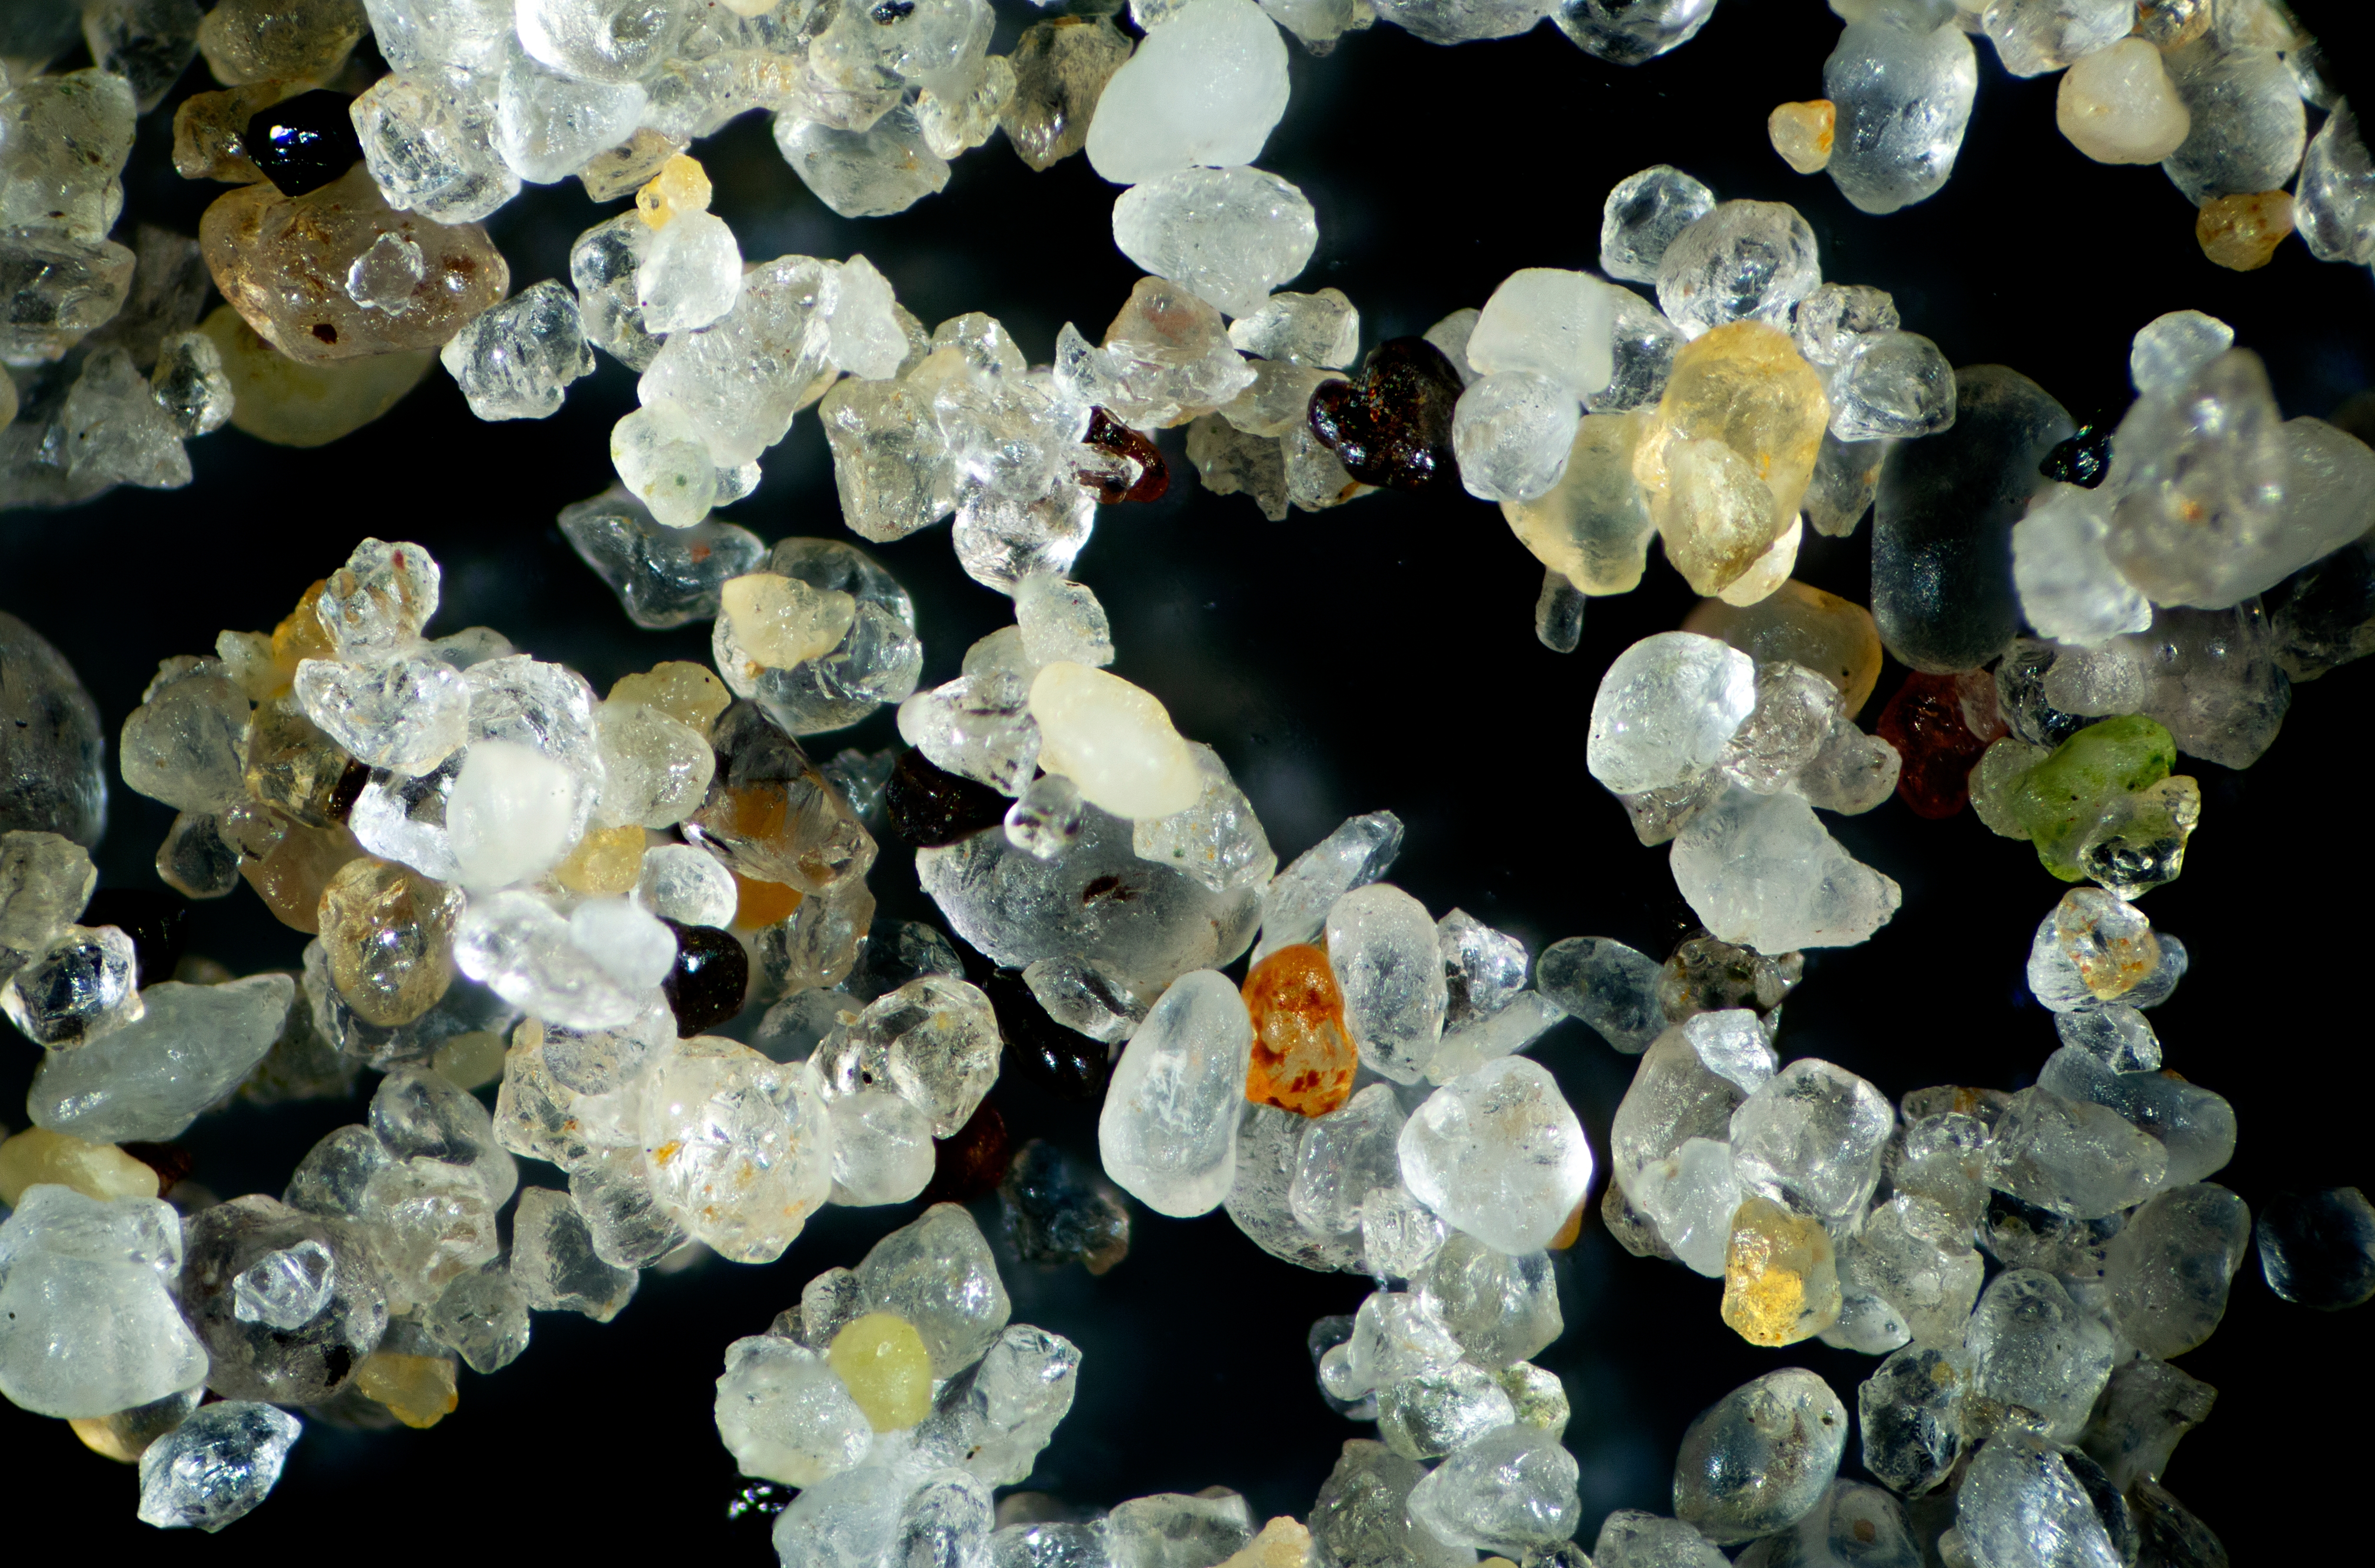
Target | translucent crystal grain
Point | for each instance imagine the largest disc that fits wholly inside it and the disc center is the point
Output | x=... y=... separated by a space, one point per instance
x=1627 y=34
x=1320 y=329
x=938 y=1273
x=1232 y=235
x=2319 y=1248
x=516 y=360
x=1381 y=947
x=548 y=125
x=2170 y=1267
x=1910 y=1254
x=689 y=274
x=933 y=1041
x=2116 y=105
x=1360 y=1516
x=2168 y=350
x=88 y=1325
x=2248 y=123
x=190 y=385
x=884 y=169
x=1502 y=1309
x=1811 y=1137
x=1904 y=100
x=285 y=1289
x=1591 y=526
x=57 y=287
x=68 y=137
x=2069 y=589
x=113 y=430
x=45 y=881
x=1499 y=1154
x=772 y=817
x=785 y=1415
x=1631 y=1538
x=738 y=1146
x=1057 y=1212
x=1761 y=1457
x=2195 y=518
x=79 y=987
x=1892 y=385
x=2034 y=39
x=1762 y=871
x=1206 y=91
x=1168 y=1129
x=1552 y=323
x=1608 y=985
x=1665 y=709
x=2020 y=1493
x=605 y=263
x=216 y=1466
x=1558 y=614
x=427 y=141
x=1511 y=1490
x=890 y=460
x=554 y=1263
x=2074 y=1158
x=149 y=1079
x=252 y=40
x=482 y=1318
x=1512 y=433
x=845 y=1519
x=1643 y=213
x=1045 y=819
x=738 y=383
x=1218 y=840
x=1060 y=67
x=1096 y=900
x=2032 y=1345
x=1741 y=261
x=2333 y=202
x=1910 y=1418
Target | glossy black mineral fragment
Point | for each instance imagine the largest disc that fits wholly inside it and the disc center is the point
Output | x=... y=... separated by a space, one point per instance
x=928 y=807
x=2084 y=460
x=152 y=917
x=968 y=1162
x=1064 y=1062
x=2319 y=1248
x=349 y=790
x=710 y=977
x=305 y=142
x=1109 y=434
x=1391 y=425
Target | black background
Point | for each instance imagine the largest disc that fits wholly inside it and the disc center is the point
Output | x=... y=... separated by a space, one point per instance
x=1378 y=656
